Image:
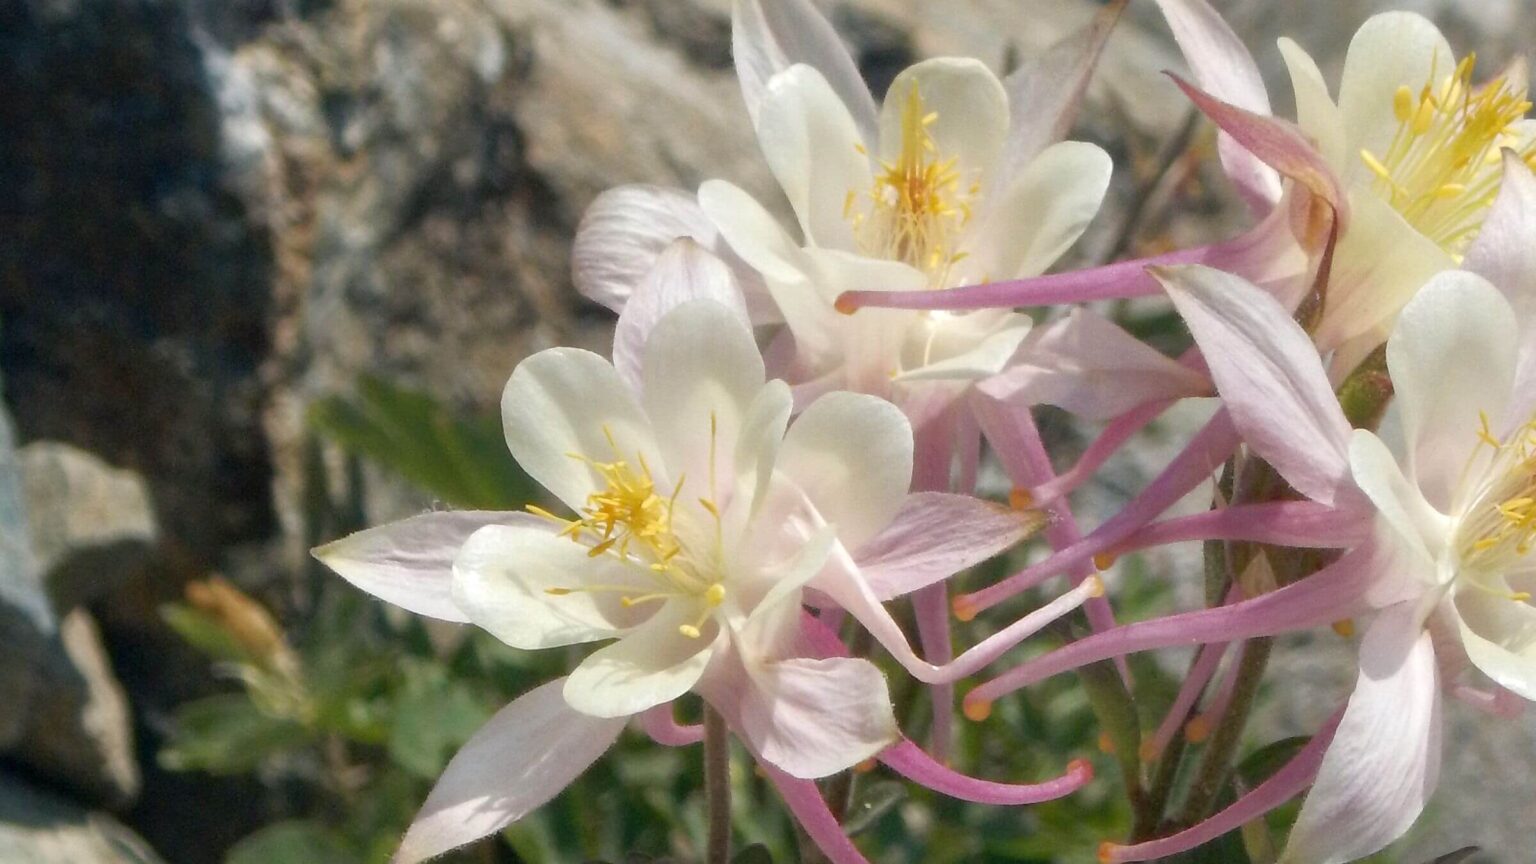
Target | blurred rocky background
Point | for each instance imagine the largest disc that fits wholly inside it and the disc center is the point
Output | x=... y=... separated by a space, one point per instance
x=215 y=214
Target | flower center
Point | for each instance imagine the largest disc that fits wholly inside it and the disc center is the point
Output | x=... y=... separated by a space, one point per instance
x=919 y=203
x=1500 y=529
x=1443 y=168
x=630 y=520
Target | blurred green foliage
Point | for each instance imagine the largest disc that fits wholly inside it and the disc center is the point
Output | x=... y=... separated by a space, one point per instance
x=357 y=709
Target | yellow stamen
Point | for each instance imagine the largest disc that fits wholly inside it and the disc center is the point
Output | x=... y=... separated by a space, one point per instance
x=1442 y=169
x=919 y=203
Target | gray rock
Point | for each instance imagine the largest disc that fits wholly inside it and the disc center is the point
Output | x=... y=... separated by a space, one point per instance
x=92 y=525
x=38 y=828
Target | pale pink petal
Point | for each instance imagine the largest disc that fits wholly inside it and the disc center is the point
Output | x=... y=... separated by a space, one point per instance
x=518 y=761
x=769 y=36
x=1277 y=143
x=851 y=455
x=935 y=535
x=815 y=150
x=1223 y=66
x=684 y=271
x=648 y=666
x=663 y=728
x=1088 y=365
x=625 y=230
x=563 y=401
x=1499 y=635
x=1269 y=376
x=521 y=584
x=810 y=810
x=1045 y=91
x=811 y=718
x=1504 y=254
x=1385 y=758
x=1285 y=784
x=1452 y=359
x=909 y=760
x=410 y=563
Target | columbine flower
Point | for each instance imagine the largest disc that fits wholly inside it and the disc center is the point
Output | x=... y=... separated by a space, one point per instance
x=1449 y=564
x=1407 y=158
x=688 y=544
x=696 y=522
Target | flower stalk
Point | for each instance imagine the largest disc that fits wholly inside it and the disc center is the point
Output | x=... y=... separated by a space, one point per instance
x=717 y=787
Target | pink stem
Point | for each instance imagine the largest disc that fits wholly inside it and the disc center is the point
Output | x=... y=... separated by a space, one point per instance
x=1108 y=282
x=1200 y=674
x=1210 y=448
x=1281 y=787
x=1337 y=591
x=934 y=445
x=908 y=760
x=1216 y=708
x=1301 y=524
x=810 y=810
x=1109 y=442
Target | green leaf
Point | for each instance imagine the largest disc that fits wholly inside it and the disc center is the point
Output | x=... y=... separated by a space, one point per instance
x=294 y=842
x=227 y=734
x=1262 y=763
x=434 y=716
x=464 y=461
x=757 y=853
x=871 y=800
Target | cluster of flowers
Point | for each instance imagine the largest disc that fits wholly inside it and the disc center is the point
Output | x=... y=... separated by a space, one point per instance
x=723 y=545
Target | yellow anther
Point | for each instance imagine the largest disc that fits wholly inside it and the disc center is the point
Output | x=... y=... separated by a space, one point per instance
x=918 y=205
x=559 y=592
x=689 y=630
x=714 y=595
x=976 y=710
x=1442 y=169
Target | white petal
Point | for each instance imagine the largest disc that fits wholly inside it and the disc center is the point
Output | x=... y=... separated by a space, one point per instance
x=1042 y=212
x=1223 y=67
x=684 y=271
x=652 y=665
x=811 y=718
x=769 y=581
x=1316 y=113
x=563 y=401
x=936 y=535
x=702 y=372
x=518 y=761
x=1379 y=263
x=1390 y=50
x=1089 y=366
x=1499 y=635
x=502 y=580
x=813 y=147
x=757 y=445
x=971 y=108
x=868 y=344
x=1416 y=525
x=988 y=355
x=769 y=37
x=851 y=455
x=1269 y=376
x=410 y=563
x=1452 y=356
x=1385 y=758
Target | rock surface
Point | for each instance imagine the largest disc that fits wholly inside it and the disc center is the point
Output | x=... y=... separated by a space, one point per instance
x=38 y=828
x=92 y=525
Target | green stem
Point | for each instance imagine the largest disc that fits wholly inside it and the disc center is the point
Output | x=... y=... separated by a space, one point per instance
x=717 y=786
x=1112 y=705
